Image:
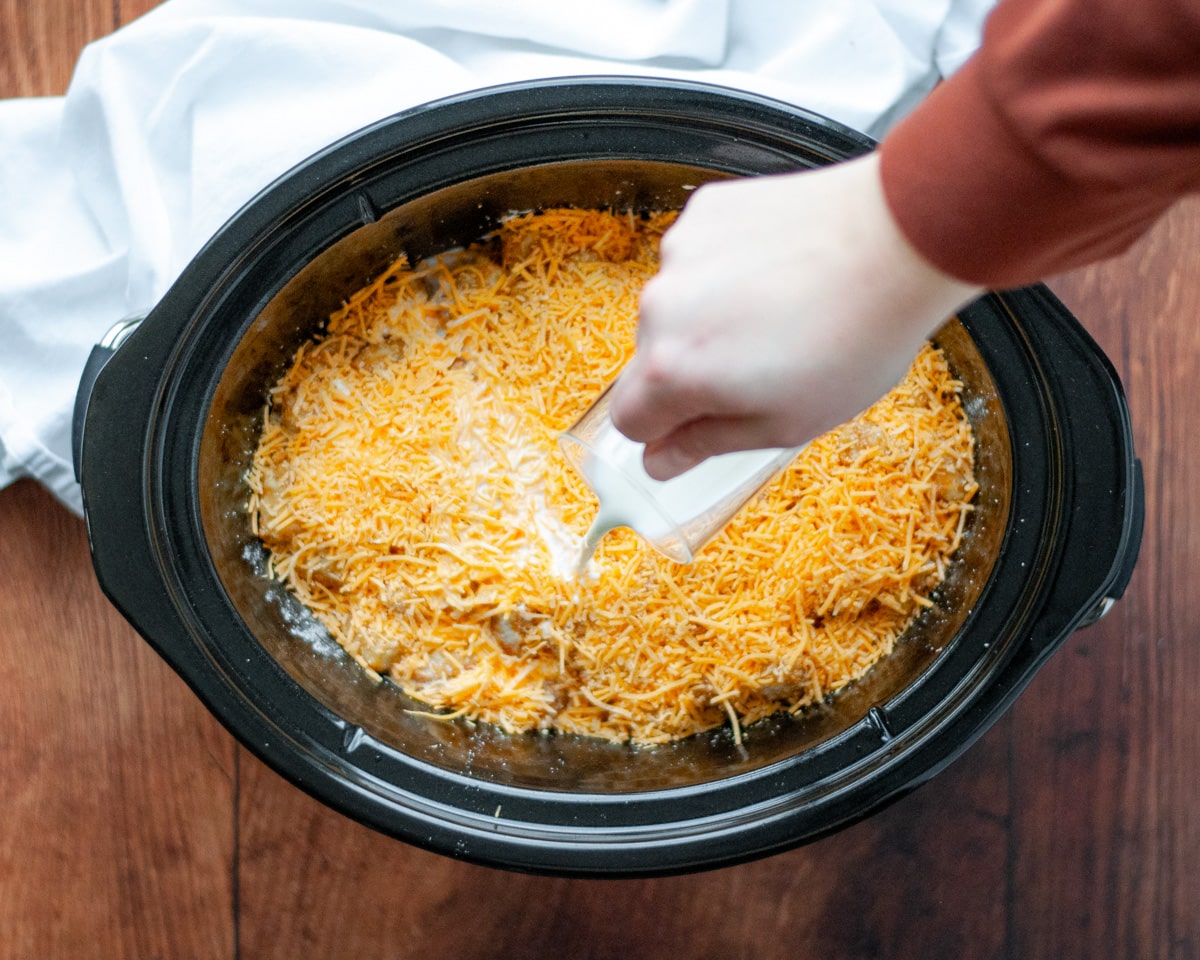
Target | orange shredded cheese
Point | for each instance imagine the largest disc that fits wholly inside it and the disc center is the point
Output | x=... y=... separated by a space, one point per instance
x=410 y=490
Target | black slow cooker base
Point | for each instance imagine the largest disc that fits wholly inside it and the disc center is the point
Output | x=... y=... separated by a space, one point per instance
x=172 y=419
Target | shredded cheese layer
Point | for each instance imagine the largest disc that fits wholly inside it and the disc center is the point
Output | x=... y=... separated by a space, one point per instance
x=410 y=490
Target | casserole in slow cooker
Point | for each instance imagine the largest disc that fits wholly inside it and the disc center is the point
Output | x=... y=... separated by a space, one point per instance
x=169 y=419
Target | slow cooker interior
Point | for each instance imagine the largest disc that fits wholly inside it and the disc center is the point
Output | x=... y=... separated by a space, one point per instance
x=441 y=220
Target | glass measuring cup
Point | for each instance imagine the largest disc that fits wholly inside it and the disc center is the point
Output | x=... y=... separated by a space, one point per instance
x=676 y=517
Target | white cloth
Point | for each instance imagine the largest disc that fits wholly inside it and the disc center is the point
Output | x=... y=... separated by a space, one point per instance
x=173 y=122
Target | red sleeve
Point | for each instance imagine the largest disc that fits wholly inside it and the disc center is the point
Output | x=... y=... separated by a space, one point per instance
x=1072 y=129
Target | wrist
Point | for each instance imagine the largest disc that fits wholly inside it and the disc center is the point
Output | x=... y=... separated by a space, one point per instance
x=899 y=298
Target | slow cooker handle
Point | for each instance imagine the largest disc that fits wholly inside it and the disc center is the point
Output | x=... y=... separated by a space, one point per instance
x=101 y=353
x=1129 y=559
x=1096 y=552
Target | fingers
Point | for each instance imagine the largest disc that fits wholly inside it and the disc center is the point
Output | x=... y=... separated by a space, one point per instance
x=647 y=402
x=679 y=372
x=698 y=440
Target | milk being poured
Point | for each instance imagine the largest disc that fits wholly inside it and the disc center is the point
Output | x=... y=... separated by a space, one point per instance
x=676 y=516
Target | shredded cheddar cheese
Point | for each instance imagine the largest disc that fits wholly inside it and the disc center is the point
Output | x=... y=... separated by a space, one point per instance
x=409 y=488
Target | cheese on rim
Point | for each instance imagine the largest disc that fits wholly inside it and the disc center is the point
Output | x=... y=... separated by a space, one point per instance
x=410 y=490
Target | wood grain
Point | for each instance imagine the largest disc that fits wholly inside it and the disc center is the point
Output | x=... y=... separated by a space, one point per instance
x=1107 y=755
x=135 y=827
x=117 y=838
x=880 y=883
x=40 y=42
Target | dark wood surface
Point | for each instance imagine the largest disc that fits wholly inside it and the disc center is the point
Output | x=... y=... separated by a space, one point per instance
x=133 y=826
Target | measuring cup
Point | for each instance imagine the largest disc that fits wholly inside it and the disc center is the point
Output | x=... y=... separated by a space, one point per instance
x=677 y=516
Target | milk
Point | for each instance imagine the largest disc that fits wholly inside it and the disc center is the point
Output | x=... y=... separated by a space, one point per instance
x=676 y=516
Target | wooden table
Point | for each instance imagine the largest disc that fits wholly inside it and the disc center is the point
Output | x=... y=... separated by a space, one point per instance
x=133 y=826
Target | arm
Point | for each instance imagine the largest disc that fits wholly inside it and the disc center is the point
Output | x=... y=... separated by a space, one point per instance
x=785 y=305
x=1074 y=127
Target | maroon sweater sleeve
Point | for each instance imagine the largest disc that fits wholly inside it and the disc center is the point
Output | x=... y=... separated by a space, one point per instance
x=1072 y=129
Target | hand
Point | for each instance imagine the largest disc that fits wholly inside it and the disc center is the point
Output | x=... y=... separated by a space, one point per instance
x=783 y=306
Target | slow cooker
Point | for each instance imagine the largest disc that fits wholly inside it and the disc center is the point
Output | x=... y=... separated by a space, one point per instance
x=170 y=408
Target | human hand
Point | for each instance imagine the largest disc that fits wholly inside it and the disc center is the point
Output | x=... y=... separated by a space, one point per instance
x=783 y=306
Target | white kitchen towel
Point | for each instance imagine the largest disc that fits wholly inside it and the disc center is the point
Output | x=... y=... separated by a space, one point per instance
x=173 y=122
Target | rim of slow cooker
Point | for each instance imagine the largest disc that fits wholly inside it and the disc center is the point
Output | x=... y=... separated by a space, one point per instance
x=627 y=823
x=894 y=731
